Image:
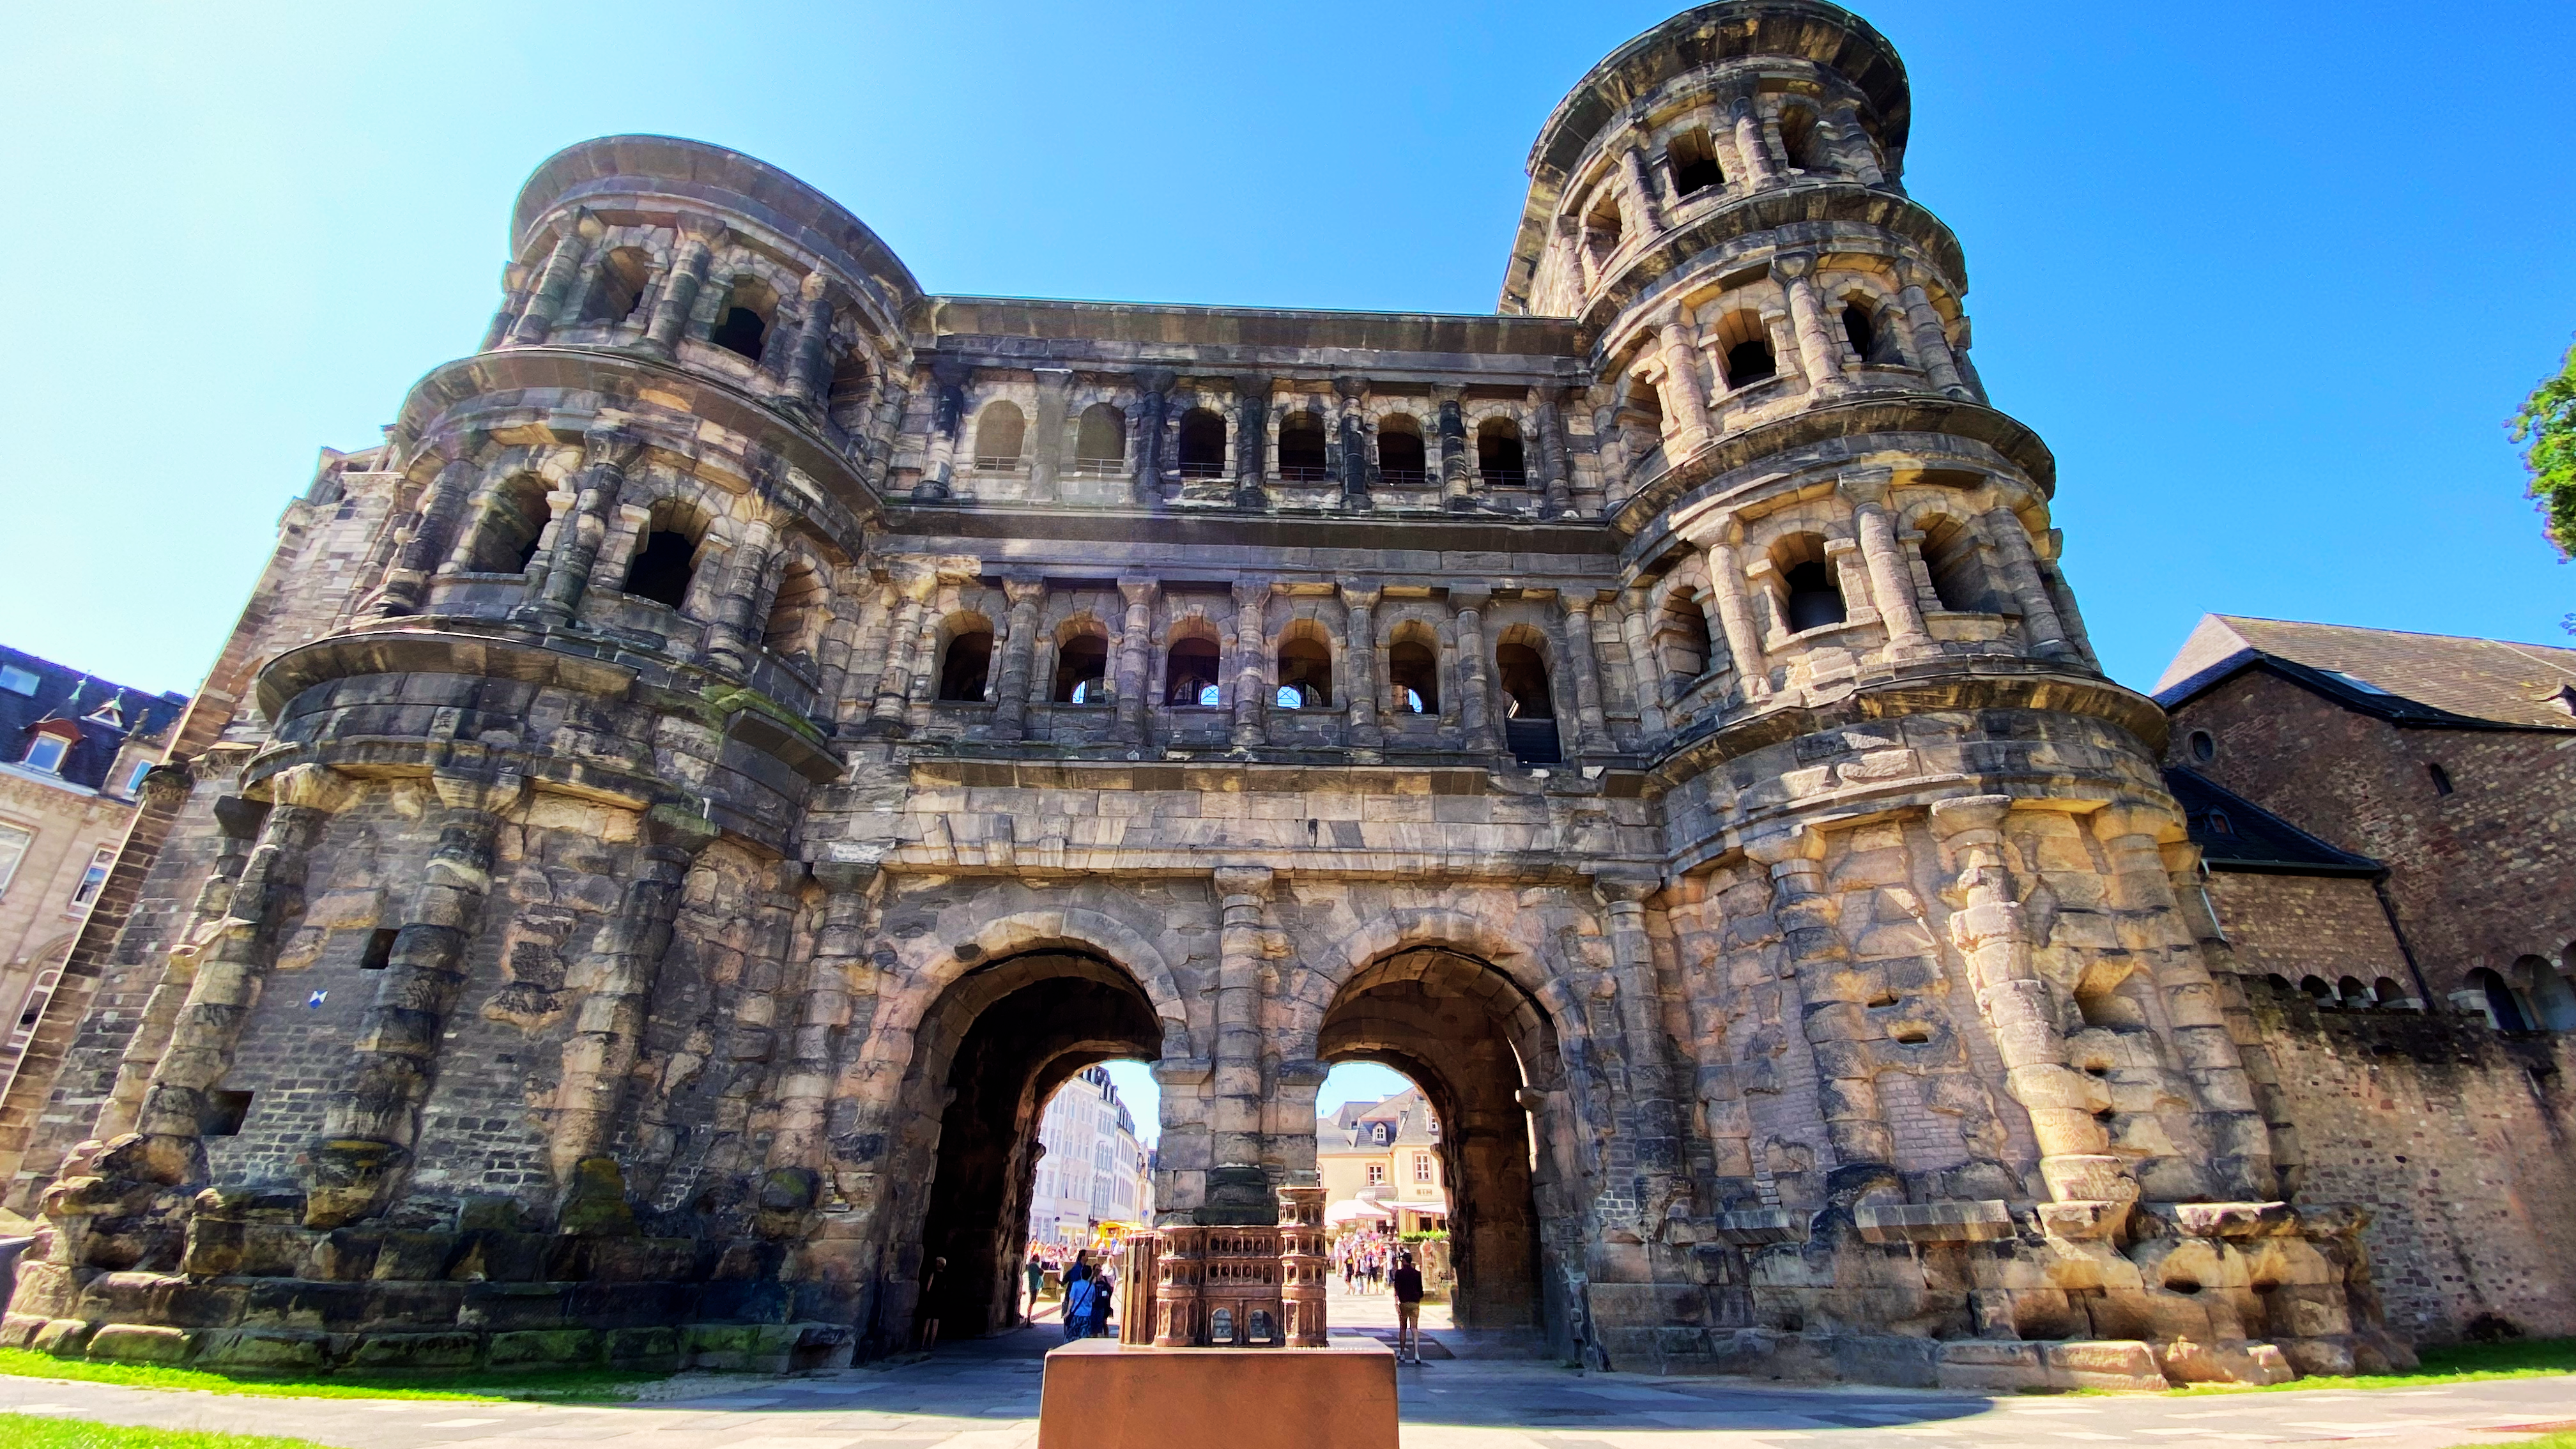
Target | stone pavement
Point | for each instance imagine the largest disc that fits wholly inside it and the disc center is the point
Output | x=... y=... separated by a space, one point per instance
x=984 y=1395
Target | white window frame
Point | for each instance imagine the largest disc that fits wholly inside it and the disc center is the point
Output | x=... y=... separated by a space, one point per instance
x=62 y=751
x=15 y=842
x=94 y=878
x=19 y=681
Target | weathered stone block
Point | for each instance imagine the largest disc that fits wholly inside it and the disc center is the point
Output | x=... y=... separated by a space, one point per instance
x=545 y=1347
x=416 y=1351
x=252 y=1350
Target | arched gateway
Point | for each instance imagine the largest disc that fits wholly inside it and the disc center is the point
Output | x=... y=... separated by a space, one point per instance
x=674 y=810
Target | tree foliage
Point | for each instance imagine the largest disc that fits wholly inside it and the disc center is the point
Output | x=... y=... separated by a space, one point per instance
x=2547 y=423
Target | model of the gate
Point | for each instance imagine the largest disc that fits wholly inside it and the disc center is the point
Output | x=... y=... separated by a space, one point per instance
x=1229 y=1287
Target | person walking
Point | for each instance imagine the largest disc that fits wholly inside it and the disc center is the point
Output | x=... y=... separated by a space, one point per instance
x=929 y=1311
x=1078 y=1298
x=1406 y=1280
x=1377 y=1270
x=1036 y=1274
x=1102 y=1291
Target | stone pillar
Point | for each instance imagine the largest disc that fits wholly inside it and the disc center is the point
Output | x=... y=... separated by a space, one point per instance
x=1454 y=484
x=1832 y=1007
x=1639 y=191
x=1931 y=340
x=1685 y=390
x=1582 y=658
x=1849 y=142
x=1565 y=250
x=608 y=1024
x=369 y=1129
x=891 y=714
x=2239 y=1162
x=1354 y=439
x=515 y=280
x=1820 y=353
x=555 y=282
x=608 y=450
x=689 y=262
x=1475 y=691
x=237 y=823
x=842 y=976
x=947 y=420
x=1359 y=664
x=1046 y=445
x=809 y=373
x=731 y=643
x=1235 y=1096
x=1891 y=578
x=1646 y=1049
x=1751 y=148
x=1251 y=661
x=1725 y=567
x=433 y=530
x=1990 y=930
x=1011 y=686
x=1556 y=476
x=2039 y=622
x=234 y=966
x=2045 y=552
x=1133 y=644
x=1155 y=387
x=1636 y=629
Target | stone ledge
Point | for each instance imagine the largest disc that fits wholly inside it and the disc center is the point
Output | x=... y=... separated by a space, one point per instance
x=1933 y=1222
x=1760 y=1227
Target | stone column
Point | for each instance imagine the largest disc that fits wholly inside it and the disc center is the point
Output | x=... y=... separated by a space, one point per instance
x=1251 y=661
x=891 y=714
x=2039 y=622
x=608 y=450
x=1832 y=1004
x=1155 y=385
x=1645 y=1048
x=2045 y=552
x=1454 y=484
x=1820 y=353
x=1931 y=340
x=555 y=282
x=1751 y=148
x=1359 y=664
x=433 y=530
x=1235 y=1096
x=1354 y=439
x=1586 y=664
x=1133 y=645
x=234 y=966
x=1639 y=191
x=1685 y=390
x=809 y=366
x=1555 y=474
x=616 y=1000
x=1735 y=614
x=1046 y=446
x=1636 y=629
x=947 y=420
x=2239 y=1164
x=1475 y=692
x=731 y=645
x=1993 y=937
x=369 y=1129
x=515 y=281
x=1850 y=141
x=1891 y=579
x=689 y=262
x=842 y=975
x=237 y=823
x=1565 y=249
x=1011 y=686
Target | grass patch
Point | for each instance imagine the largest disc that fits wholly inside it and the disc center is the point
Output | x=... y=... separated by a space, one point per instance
x=2545 y=1441
x=557 y=1385
x=2458 y=1363
x=41 y=1431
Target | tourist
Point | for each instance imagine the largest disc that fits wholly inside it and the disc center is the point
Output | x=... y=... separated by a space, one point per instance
x=929 y=1306
x=1406 y=1280
x=1036 y=1273
x=1377 y=1270
x=1102 y=1291
x=1078 y=1298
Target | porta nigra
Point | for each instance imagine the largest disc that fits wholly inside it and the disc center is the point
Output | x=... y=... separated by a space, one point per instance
x=671 y=814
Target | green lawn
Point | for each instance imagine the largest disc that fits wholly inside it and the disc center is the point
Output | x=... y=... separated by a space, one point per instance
x=38 y=1431
x=2459 y=1363
x=592 y=1385
x=2545 y=1441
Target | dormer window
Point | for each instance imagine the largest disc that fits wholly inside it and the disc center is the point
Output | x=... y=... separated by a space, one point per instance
x=45 y=752
x=110 y=714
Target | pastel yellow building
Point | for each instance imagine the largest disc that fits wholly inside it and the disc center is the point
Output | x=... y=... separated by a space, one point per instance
x=1381 y=1165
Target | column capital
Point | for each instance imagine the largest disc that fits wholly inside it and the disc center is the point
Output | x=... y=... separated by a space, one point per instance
x=912 y=578
x=703 y=229
x=1138 y=590
x=1463 y=600
x=1360 y=596
x=1248 y=592
x=1156 y=381
x=1618 y=885
x=312 y=787
x=1963 y=820
x=844 y=877
x=2131 y=819
x=1351 y=387
x=1866 y=487
x=491 y=794
x=1784 y=847
x=1793 y=266
x=1023 y=589
x=675 y=832
x=1242 y=883
x=1911 y=273
x=459 y=446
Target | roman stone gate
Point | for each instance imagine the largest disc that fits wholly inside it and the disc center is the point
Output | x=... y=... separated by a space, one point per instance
x=673 y=811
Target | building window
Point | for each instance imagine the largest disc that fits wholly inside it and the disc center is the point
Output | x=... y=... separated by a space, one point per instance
x=1376 y=1173
x=46 y=752
x=1422 y=1167
x=14 y=841
x=94 y=877
x=2204 y=746
x=134 y=777
x=17 y=680
x=2441 y=779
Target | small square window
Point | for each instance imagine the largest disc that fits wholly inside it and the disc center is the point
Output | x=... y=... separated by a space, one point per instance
x=17 y=680
x=100 y=861
x=134 y=777
x=224 y=1114
x=380 y=949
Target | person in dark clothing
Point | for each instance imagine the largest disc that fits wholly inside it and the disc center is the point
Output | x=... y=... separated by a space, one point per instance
x=1078 y=1299
x=1102 y=1291
x=1406 y=1280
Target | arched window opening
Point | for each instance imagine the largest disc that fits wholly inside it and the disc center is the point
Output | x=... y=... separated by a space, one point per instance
x=1100 y=443
x=619 y=285
x=1694 y=163
x=1530 y=709
x=796 y=615
x=1190 y=671
x=846 y=401
x=1859 y=330
x=1747 y=340
x=2504 y=1012
x=968 y=663
x=2387 y=994
x=2553 y=1002
x=1603 y=226
x=1301 y=449
x=514 y=519
x=1798 y=139
x=742 y=324
x=1498 y=454
x=999 y=431
x=1871 y=331
x=1202 y=451
x=1413 y=671
x=2318 y=989
x=1813 y=598
x=1082 y=669
x=667 y=561
x=1681 y=637
x=1401 y=461
x=1953 y=556
x=1305 y=672
x=2351 y=993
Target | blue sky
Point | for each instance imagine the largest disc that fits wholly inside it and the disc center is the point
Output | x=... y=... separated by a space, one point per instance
x=2269 y=278
x=1348 y=1082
